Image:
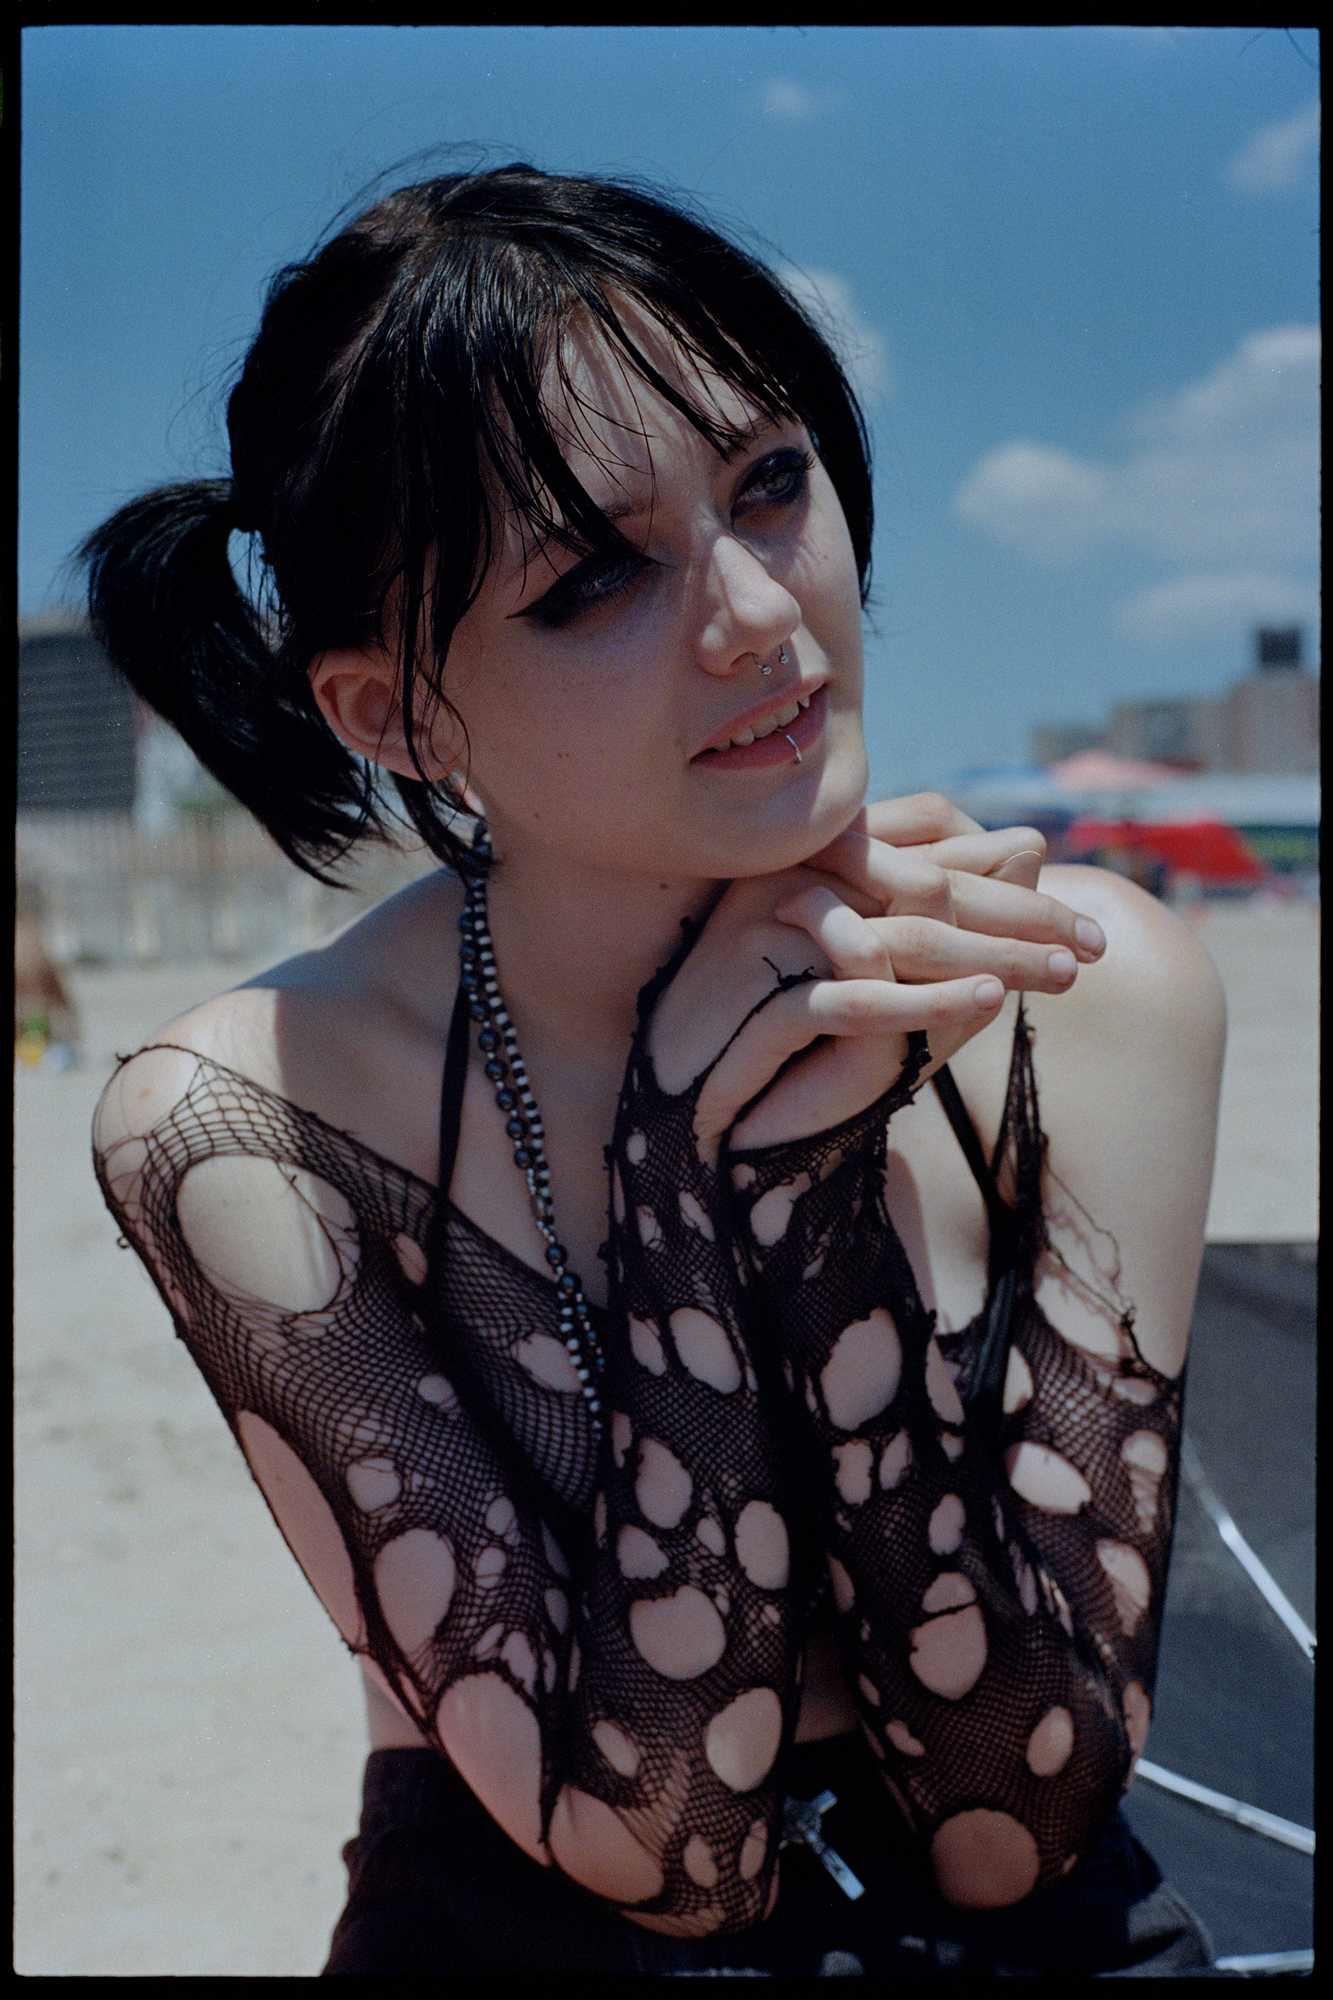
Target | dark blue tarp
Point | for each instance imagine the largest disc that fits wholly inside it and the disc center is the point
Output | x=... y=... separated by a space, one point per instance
x=1235 y=1695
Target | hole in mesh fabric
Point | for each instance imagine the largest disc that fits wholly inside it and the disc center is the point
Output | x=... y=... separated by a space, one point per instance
x=411 y=1258
x=772 y=1212
x=1131 y=1585
x=373 y=1483
x=763 y=1547
x=949 y=1652
x=984 y=1860
x=741 y=1741
x=680 y=1636
x=1046 y=1479
x=696 y=1215
x=620 y=1750
x=1051 y=1743
x=646 y=1347
x=895 y=1459
x=663 y=1487
x=1018 y=1383
x=639 y=1555
x=947 y=1522
x=414 y=1580
x=855 y=1463
x=860 y=1377
x=709 y=1532
x=700 y=1862
x=520 y=1659
x=704 y=1349
x=1145 y=1457
x=269 y=1231
x=547 y=1360
x=753 y=1849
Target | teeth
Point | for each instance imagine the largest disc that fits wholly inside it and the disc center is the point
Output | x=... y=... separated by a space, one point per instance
x=762 y=729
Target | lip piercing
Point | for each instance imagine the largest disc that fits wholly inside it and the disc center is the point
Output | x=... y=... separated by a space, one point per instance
x=791 y=740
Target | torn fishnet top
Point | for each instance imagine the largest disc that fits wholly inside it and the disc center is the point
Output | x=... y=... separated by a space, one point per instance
x=638 y=1597
x=998 y=1525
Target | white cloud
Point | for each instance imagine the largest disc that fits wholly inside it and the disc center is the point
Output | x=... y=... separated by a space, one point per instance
x=1036 y=498
x=1198 y=607
x=859 y=344
x=784 y=98
x=1223 y=472
x=1278 y=156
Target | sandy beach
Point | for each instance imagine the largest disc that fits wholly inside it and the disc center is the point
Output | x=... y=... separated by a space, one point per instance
x=189 y=1727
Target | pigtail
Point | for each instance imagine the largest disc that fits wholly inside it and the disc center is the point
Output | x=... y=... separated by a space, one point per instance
x=166 y=607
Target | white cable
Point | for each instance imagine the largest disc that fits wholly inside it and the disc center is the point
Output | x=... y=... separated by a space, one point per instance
x=1268 y=1961
x=1274 y=1596
x=1254 y=1817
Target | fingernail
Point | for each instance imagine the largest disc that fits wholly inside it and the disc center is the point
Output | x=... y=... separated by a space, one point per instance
x=1089 y=935
x=988 y=992
x=1063 y=964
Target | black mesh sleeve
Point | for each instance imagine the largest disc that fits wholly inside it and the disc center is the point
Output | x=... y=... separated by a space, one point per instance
x=1001 y=1646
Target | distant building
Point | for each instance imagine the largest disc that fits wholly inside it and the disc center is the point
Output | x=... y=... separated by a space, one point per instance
x=1267 y=723
x=1189 y=734
x=1052 y=742
x=77 y=722
x=1273 y=714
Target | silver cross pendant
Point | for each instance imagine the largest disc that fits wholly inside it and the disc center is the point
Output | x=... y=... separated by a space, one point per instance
x=801 y=1821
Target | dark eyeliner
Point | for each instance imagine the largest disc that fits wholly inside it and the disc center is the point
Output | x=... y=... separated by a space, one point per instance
x=568 y=598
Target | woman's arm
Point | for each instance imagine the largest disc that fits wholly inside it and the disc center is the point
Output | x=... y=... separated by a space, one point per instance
x=615 y=1698
x=1001 y=1609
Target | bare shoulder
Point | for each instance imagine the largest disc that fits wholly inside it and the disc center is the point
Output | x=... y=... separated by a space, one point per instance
x=352 y=1030
x=1156 y=965
x=1129 y=1070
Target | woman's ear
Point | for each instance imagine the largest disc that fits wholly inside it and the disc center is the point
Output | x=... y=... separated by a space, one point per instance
x=356 y=690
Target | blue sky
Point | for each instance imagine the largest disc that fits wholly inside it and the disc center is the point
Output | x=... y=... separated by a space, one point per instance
x=1075 y=272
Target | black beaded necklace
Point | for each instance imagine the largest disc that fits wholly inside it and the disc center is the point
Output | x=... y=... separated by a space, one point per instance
x=508 y=1075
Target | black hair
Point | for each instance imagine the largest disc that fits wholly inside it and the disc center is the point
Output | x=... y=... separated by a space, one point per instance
x=391 y=396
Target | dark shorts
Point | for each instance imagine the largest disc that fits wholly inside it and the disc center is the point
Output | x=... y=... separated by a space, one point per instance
x=435 y=1887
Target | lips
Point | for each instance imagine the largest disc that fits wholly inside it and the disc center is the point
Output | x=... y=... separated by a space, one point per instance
x=783 y=747
x=761 y=714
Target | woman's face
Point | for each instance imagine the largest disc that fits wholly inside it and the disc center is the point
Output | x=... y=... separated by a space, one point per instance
x=591 y=688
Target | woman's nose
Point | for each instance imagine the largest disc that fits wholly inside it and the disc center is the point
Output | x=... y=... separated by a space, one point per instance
x=747 y=611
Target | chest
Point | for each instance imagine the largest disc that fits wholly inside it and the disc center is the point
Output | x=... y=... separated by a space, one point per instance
x=931 y=1195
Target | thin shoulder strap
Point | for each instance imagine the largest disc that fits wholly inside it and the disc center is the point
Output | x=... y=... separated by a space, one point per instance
x=966 y=1132
x=451 y=1111
x=985 y=1389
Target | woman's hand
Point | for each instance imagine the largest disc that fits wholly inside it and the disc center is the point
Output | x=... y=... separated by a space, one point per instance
x=897 y=942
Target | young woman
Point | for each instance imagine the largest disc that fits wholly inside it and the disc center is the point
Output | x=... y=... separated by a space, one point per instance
x=745 y=1475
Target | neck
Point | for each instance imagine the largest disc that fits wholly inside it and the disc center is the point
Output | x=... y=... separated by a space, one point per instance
x=572 y=952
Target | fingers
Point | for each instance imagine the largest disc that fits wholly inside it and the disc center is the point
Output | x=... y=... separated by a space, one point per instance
x=984 y=882
x=1024 y=870
x=985 y=853
x=861 y=1024
x=885 y=875
x=917 y=949
x=1001 y=908
x=922 y=816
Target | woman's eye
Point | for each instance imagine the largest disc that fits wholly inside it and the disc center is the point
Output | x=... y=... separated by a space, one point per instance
x=591 y=583
x=782 y=478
